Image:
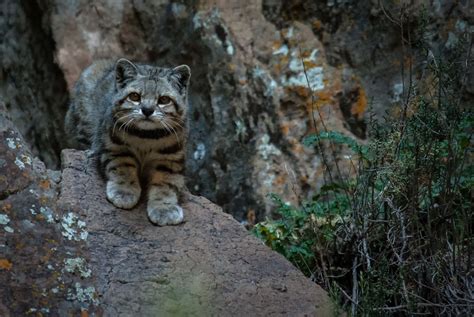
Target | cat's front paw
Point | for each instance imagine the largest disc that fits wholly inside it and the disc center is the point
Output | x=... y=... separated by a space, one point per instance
x=121 y=196
x=165 y=215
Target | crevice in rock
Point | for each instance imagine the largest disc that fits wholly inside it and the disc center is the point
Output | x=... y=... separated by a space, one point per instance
x=32 y=86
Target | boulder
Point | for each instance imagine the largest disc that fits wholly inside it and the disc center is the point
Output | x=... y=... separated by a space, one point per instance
x=65 y=250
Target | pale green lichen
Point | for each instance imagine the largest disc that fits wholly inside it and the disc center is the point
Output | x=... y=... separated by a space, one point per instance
x=48 y=213
x=210 y=22
x=19 y=163
x=200 y=152
x=4 y=219
x=83 y=295
x=73 y=227
x=270 y=84
x=77 y=265
x=266 y=149
x=11 y=143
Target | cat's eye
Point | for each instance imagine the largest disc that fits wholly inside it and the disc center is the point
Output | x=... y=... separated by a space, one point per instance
x=164 y=100
x=135 y=97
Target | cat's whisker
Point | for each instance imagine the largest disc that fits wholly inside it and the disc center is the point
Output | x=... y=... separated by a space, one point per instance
x=121 y=118
x=124 y=124
x=129 y=123
x=173 y=130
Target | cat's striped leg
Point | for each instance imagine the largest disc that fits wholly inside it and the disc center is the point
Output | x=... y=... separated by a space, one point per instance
x=123 y=185
x=165 y=184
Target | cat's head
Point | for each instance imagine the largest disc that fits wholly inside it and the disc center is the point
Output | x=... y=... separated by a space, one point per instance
x=149 y=97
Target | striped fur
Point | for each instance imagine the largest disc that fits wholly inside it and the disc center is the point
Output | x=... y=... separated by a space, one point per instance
x=133 y=117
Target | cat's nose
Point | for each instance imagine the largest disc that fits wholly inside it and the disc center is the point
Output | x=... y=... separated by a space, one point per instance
x=147 y=111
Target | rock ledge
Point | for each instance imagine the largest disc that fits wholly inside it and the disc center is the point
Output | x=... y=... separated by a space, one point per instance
x=64 y=250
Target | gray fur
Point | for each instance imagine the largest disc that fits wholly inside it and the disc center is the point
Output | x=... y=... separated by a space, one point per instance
x=139 y=141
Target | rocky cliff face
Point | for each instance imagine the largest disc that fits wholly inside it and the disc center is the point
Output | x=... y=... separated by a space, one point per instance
x=266 y=73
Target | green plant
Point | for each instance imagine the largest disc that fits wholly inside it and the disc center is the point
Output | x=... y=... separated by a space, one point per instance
x=397 y=238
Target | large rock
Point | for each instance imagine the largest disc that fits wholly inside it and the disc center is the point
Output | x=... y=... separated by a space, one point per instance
x=65 y=250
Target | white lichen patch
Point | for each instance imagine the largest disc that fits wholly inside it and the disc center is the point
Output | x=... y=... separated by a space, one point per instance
x=178 y=10
x=230 y=48
x=270 y=84
x=314 y=76
x=203 y=20
x=299 y=75
x=8 y=229
x=4 y=219
x=240 y=129
x=266 y=149
x=397 y=92
x=11 y=143
x=83 y=295
x=73 y=228
x=19 y=163
x=210 y=22
x=77 y=265
x=200 y=152
x=48 y=213
x=283 y=50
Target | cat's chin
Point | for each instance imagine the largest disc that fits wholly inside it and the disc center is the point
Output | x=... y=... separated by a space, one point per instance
x=148 y=125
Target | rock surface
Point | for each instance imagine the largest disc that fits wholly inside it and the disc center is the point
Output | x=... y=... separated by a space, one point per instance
x=64 y=250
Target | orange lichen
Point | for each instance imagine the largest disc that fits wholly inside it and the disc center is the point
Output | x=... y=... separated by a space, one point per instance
x=310 y=64
x=276 y=45
x=317 y=24
x=39 y=217
x=324 y=96
x=301 y=91
x=359 y=107
x=5 y=264
x=7 y=207
x=285 y=128
x=298 y=148
x=44 y=184
x=305 y=54
x=251 y=217
x=280 y=180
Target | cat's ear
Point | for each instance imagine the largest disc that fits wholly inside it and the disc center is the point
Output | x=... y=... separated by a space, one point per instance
x=181 y=75
x=125 y=71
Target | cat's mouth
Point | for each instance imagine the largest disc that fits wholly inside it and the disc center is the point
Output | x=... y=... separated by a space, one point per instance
x=148 y=123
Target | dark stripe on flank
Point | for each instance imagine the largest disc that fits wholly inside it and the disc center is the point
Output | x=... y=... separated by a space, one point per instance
x=171 y=149
x=113 y=168
x=111 y=157
x=83 y=140
x=149 y=134
x=116 y=139
x=163 y=168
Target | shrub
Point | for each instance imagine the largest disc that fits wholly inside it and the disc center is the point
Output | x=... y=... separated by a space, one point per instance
x=398 y=237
